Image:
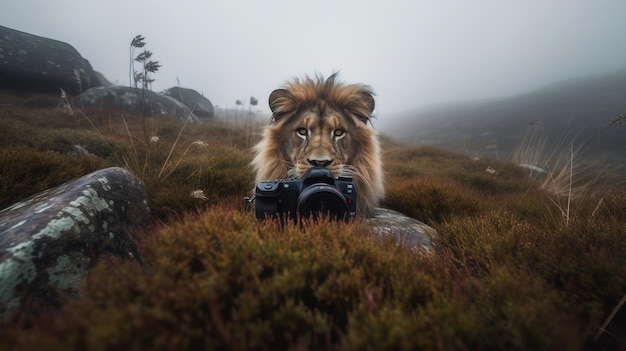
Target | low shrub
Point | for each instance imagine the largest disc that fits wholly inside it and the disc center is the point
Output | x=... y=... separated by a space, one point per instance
x=431 y=200
x=210 y=176
x=222 y=281
x=507 y=272
x=25 y=171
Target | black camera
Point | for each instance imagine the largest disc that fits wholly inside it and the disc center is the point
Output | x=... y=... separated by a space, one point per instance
x=317 y=194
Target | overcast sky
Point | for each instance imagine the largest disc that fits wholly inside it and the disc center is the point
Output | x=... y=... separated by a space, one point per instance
x=411 y=52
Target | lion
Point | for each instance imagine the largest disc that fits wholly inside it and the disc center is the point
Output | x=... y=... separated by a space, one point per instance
x=323 y=123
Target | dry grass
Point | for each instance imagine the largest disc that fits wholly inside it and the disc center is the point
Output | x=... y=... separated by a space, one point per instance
x=567 y=172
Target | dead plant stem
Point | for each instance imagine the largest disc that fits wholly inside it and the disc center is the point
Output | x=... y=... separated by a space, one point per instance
x=169 y=155
x=571 y=177
x=610 y=318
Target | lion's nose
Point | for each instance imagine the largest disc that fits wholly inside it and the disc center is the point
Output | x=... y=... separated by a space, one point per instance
x=320 y=163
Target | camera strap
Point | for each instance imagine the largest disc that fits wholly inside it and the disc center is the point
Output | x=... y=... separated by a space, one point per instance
x=248 y=200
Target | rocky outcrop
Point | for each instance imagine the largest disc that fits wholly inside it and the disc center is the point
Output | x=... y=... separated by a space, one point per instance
x=200 y=105
x=49 y=242
x=103 y=82
x=405 y=230
x=32 y=63
x=138 y=101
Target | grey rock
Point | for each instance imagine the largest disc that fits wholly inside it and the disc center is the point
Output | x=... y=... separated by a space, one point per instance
x=407 y=231
x=49 y=242
x=80 y=150
x=32 y=63
x=138 y=101
x=102 y=81
x=200 y=105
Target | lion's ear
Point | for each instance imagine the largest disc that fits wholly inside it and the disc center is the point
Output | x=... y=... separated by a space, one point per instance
x=364 y=108
x=281 y=102
x=369 y=101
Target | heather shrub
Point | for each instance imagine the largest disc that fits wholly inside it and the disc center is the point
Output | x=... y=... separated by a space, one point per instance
x=496 y=178
x=507 y=271
x=208 y=177
x=582 y=264
x=611 y=207
x=431 y=199
x=221 y=280
x=184 y=167
x=53 y=130
x=11 y=98
x=405 y=162
x=25 y=172
x=42 y=101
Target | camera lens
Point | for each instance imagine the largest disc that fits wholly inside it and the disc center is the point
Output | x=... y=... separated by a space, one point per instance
x=322 y=199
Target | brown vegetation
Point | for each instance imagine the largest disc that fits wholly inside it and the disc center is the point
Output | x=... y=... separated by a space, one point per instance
x=507 y=272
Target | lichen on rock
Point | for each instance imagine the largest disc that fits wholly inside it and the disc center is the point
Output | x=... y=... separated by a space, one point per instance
x=49 y=242
x=405 y=230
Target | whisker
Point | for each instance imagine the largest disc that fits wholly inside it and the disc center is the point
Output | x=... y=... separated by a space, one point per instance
x=292 y=173
x=350 y=171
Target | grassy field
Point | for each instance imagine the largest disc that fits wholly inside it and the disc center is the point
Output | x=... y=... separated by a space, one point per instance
x=518 y=265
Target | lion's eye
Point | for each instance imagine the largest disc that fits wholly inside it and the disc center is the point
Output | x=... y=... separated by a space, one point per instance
x=338 y=133
x=302 y=132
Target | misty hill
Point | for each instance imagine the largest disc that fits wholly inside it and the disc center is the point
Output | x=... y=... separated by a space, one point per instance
x=578 y=110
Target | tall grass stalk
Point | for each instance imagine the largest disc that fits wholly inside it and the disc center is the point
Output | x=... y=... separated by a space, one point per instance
x=565 y=173
x=144 y=167
x=609 y=319
x=571 y=177
x=169 y=155
x=80 y=86
x=142 y=174
x=556 y=184
x=133 y=161
x=67 y=106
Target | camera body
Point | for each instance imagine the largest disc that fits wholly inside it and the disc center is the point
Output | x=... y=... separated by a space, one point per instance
x=316 y=194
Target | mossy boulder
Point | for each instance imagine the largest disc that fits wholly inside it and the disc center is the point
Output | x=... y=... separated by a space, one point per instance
x=406 y=231
x=37 y=64
x=200 y=105
x=49 y=242
x=137 y=101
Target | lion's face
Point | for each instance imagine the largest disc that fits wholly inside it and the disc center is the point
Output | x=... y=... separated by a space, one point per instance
x=315 y=138
x=323 y=124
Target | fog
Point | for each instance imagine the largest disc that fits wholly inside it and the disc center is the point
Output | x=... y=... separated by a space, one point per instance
x=412 y=53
